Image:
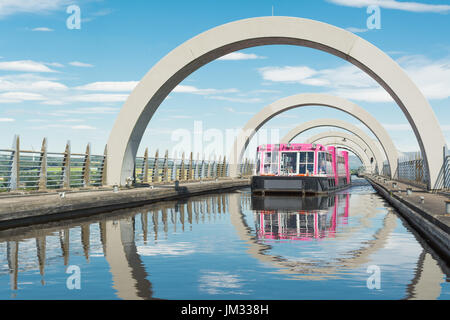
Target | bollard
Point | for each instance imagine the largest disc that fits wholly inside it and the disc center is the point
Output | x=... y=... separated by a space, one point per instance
x=422 y=200
x=394 y=184
x=447 y=207
x=115 y=188
x=408 y=191
x=385 y=180
x=129 y=182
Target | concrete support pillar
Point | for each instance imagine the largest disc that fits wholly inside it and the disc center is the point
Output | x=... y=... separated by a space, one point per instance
x=155 y=173
x=145 y=167
x=42 y=185
x=190 y=170
x=182 y=173
x=166 y=167
x=223 y=172
x=173 y=174
x=87 y=167
x=12 y=248
x=15 y=165
x=40 y=250
x=85 y=239
x=64 y=238
x=66 y=167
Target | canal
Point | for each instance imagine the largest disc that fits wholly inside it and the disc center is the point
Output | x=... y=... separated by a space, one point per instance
x=351 y=245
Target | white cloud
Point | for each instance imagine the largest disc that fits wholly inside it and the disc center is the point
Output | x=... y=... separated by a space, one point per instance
x=239 y=100
x=194 y=90
x=64 y=126
x=29 y=83
x=238 y=112
x=110 y=86
x=82 y=127
x=287 y=74
x=176 y=249
x=101 y=97
x=83 y=111
x=219 y=282
x=80 y=64
x=54 y=64
x=10 y=7
x=370 y=95
x=348 y=81
x=432 y=77
x=43 y=29
x=393 y=4
x=7 y=120
x=234 y=56
x=24 y=66
x=17 y=97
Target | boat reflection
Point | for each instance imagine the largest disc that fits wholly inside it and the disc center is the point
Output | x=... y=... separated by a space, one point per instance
x=299 y=218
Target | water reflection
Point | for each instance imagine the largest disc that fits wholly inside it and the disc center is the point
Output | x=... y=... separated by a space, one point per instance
x=299 y=218
x=261 y=224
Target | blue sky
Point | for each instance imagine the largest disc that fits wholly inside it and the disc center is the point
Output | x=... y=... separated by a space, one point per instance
x=70 y=84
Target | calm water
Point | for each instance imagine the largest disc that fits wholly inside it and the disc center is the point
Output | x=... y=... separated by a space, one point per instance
x=227 y=246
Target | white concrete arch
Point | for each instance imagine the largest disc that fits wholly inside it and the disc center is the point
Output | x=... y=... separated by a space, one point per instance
x=338 y=124
x=145 y=99
x=348 y=145
x=346 y=137
x=312 y=99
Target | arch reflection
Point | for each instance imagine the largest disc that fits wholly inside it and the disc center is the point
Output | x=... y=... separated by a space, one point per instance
x=299 y=218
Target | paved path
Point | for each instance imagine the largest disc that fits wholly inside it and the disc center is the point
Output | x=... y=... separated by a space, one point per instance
x=433 y=204
x=18 y=210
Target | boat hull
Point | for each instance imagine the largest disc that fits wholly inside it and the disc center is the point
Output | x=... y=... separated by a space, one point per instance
x=296 y=184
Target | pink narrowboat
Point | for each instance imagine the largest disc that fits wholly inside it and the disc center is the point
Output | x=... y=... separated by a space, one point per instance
x=300 y=168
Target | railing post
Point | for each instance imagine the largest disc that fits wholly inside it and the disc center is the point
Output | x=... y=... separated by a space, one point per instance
x=155 y=173
x=43 y=169
x=190 y=171
x=182 y=173
x=223 y=172
x=66 y=167
x=145 y=167
x=87 y=167
x=104 y=163
x=196 y=168
x=14 y=179
x=166 y=167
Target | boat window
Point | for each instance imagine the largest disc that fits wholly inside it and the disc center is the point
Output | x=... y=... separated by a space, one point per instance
x=322 y=164
x=271 y=162
x=288 y=163
x=306 y=163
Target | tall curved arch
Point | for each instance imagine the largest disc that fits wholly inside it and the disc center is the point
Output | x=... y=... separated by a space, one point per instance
x=306 y=100
x=349 y=145
x=343 y=137
x=338 y=124
x=145 y=99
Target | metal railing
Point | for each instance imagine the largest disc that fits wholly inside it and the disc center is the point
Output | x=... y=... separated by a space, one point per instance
x=443 y=181
x=42 y=170
x=412 y=170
